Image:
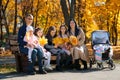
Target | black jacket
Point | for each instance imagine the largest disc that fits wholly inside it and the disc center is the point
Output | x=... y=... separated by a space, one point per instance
x=21 y=34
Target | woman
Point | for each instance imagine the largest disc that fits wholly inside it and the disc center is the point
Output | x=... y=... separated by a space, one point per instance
x=79 y=52
x=54 y=49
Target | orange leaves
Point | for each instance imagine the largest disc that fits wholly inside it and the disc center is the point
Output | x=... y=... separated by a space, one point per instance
x=5 y=53
x=57 y=41
x=65 y=40
x=73 y=40
x=43 y=41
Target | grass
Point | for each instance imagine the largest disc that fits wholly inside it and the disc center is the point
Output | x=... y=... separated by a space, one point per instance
x=7 y=68
x=117 y=61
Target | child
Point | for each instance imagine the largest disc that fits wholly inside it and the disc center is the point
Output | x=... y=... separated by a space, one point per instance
x=39 y=33
x=66 y=46
x=32 y=41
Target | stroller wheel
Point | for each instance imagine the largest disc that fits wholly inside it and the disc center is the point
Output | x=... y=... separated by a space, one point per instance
x=111 y=65
x=100 y=66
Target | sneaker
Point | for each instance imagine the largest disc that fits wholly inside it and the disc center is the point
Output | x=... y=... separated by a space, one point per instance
x=30 y=60
x=42 y=72
x=48 y=68
x=44 y=58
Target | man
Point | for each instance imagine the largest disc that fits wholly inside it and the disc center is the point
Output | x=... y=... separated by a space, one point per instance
x=35 y=53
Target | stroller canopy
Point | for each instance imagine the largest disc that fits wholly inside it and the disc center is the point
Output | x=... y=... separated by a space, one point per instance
x=100 y=37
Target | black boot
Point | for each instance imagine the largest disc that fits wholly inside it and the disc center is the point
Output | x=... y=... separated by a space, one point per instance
x=84 y=63
x=58 y=68
x=68 y=63
x=77 y=65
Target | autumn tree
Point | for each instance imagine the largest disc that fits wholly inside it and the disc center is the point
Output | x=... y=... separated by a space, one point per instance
x=89 y=14
x=3 y=17
x=15 y=20
x=68 y=9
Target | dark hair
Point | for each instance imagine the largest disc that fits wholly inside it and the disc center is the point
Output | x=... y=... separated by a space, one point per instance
x=60 y=33
x=36 y=30
x=76 y=28
x=51 y=28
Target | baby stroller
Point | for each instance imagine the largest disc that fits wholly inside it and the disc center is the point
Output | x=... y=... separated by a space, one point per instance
x=102 y=49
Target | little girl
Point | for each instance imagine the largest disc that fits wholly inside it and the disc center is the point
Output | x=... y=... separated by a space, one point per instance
x=66 y=46
x=39 y=33
x=32 y=41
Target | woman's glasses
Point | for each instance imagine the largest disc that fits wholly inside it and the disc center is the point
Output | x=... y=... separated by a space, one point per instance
x=29 y=18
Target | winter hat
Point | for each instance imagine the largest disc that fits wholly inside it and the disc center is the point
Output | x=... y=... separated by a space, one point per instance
x=29 y=28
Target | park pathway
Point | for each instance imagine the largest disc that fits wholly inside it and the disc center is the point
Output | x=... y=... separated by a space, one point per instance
x=91 y=74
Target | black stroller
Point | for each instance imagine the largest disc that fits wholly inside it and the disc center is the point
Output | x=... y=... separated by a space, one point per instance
x=102 y=50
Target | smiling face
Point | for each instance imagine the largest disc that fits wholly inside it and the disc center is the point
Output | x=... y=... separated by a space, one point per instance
x=40 y=33
x=52 y=33
x=72 y=24
x=29 y=20
x=63 y=29
x=30 y=32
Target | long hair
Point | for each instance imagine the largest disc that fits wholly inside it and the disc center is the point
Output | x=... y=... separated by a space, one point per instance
x=60 y=33
x=48 y=35
x=51 y=28
x=36 y=30
x=76 y=28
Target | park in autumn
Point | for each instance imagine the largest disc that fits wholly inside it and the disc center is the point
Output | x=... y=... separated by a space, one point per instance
x=90 y=15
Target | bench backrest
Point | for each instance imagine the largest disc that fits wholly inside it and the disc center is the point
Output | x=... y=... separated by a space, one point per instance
x=13 y=43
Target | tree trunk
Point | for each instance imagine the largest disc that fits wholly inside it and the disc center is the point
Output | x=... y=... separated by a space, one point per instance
x=15 y=22
x=114 y=28
x=65 y=11
x=32 y=6
x=4 y=17
x=0 y=21
x=5 y=23
x=72 y=9
x=37 y=13
x=116 y=31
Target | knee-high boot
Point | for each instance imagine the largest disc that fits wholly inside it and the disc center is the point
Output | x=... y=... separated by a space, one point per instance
x=84 y=63
x=77 y=65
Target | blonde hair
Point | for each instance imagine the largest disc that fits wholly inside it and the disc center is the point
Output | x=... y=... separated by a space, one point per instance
x=29 y=15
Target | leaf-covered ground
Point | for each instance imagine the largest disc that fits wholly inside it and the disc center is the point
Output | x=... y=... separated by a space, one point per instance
x=6 y=68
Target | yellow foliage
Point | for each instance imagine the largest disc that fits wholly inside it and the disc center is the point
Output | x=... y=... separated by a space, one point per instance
x=73 y=40
x=43 y=41
x=65 y=40
x=50 y=13
x=27 y=35
x=58 y=41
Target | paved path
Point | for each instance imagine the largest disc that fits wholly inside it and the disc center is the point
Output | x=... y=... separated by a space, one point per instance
x=92 y=74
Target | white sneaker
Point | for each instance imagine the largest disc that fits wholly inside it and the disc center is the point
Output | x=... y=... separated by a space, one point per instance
x=48 y=68
x=30 y=60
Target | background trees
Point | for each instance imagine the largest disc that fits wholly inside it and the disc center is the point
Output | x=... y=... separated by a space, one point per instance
x=89 y=14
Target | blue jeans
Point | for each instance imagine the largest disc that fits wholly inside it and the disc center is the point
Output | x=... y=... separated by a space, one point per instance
x=37 y=53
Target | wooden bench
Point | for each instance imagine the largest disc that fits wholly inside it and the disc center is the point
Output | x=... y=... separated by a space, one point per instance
x=20 y=58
